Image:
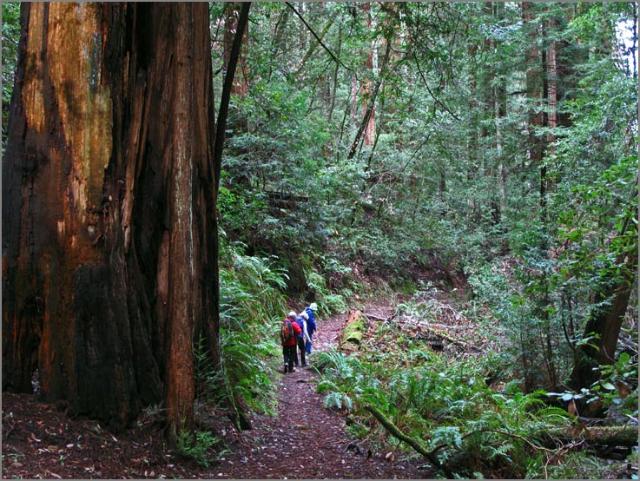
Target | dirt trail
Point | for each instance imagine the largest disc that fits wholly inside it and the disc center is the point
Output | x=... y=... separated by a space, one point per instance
x=315 y=435
x=304 y=440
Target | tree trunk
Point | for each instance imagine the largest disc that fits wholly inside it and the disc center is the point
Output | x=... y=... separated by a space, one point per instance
x=370 y=105
x=500 y=99
x=371 y=65
x=241 y=79
x=534 y=83
x=605 y=323
x=110 y=240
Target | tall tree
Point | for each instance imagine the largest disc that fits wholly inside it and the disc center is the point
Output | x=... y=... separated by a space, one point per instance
x=602 y=329
x=241 y=81
x=109 y=196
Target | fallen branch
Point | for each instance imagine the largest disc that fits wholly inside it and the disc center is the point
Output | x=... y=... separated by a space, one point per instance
x=395 y=432
x=617 y=435
x=450 y=339
x=377 y=318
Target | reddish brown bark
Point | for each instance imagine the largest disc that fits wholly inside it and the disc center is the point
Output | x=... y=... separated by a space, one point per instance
x=109 y=207
x=241 y=79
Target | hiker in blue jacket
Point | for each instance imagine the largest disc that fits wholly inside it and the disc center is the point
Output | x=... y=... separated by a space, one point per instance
x=311 y=325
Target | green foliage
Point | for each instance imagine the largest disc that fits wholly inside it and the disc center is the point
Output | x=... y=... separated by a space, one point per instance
x=446 y=404
x=197 y=446
x=577 y=465
x=328 y=303
x=10 y=39
x=251 y=305
x=615 y=387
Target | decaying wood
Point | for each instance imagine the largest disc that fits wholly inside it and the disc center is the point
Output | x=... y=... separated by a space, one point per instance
x=457 y=342
x=377 y=318
x=608 y=435
x=353 y=331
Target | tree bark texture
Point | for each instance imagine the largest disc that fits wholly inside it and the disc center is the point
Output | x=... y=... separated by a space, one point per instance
x=110 y=247
x=241 y=79
x=605 y=323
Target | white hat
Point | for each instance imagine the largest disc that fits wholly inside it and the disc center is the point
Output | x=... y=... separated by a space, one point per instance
x=313 y=307
x=304 y=315
x=291 y=314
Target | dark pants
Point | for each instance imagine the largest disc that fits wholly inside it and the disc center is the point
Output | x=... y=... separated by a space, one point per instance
x=289 y=354
x=302 y=352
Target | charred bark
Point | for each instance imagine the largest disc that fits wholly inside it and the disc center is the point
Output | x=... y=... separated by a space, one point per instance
x=109 y=207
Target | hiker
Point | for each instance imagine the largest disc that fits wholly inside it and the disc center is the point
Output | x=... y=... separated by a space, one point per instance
x=311 y=325
x=288 y=336
x=305 y=333
x=300 y=341
x=303 y=342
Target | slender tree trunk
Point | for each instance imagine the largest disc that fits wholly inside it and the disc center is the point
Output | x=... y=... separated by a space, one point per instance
x=605 y=322
x=500 y=98
x=241 y=78
x=334 y=93
x=370 y=106
x=370 y=129
x=472 y=139
x=534 y=81
x=109 y=207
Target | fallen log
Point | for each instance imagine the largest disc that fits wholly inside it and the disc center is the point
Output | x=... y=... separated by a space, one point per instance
x=377 y=318
x=448 y=338
x=609 y=435
x=353 y=331
x=452 y=340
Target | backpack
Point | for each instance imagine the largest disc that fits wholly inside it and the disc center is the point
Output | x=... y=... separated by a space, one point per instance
x=286 y=331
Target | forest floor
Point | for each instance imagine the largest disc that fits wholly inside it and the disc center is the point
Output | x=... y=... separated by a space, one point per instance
x=304 y=440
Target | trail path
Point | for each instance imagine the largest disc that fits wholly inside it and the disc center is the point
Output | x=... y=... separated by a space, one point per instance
x=306 y=440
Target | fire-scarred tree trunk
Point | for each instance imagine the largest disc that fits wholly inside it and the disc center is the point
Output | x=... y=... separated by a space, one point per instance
x=110 y=248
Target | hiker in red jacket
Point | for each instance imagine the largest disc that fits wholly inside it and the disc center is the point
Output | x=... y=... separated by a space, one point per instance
x=289 y=333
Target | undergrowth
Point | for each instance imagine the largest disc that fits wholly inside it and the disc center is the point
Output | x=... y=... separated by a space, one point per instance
x=251 y=305
x=196 y=445
x=446 y=405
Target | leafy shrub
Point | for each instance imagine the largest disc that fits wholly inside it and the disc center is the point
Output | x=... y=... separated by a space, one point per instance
x=251 y=305
x=446 y=404
x=196 y=445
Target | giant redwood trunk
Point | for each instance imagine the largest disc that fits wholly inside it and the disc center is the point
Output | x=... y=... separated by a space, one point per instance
x=109 y=224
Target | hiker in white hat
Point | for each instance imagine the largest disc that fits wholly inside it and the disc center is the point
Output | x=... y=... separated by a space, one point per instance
x=310 y=311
